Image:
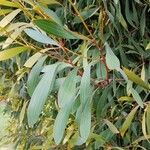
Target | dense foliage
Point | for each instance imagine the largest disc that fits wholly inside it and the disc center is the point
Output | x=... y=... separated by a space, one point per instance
x=74 y=74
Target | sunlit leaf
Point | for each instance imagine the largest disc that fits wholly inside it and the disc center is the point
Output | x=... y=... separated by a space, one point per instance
x=7 y=19
x=11 y=52
x=133 y=77
x=128 y=121
x=137 y=97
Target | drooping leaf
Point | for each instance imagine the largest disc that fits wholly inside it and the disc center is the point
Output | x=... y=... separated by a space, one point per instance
x=61 y=122
x=85 y=121
x=68 y=90
x=143 y=22
x=40 y=94
x=34 y=78
x=11 y=52
x=38 y=36
x=133 y=77
x=111 y=59
x=7 y=19
x=128 y=121
x=148 y=118
x=137 y=97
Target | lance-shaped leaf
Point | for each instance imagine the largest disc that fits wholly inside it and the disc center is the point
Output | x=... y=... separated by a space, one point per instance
x=11 y=52
x=85 y=121
x=137 y=97
x=111 y=59
x=40 y=94
x=6 y=20
x=128 y=121
x=67 y=90
x=136 y=79
x=148 y=118
x=38 y=36
x=61 y=122
x=34 y=78
x=55 y=29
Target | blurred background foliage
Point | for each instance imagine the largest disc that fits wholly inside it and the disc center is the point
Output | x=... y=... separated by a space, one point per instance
x=125 y=25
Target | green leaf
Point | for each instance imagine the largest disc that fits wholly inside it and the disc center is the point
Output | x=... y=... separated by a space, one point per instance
x=133 y=77
x=61 y=122
x=11 y=52
x=148 y=118
x=7 y=19
x=111 y=59
x=85 y=121
x=137 y=97
x=86 y=14
x=40 y=94
x=128 y=121
x=51 y=14
x=85 y=87
x=67 y=91
x=111 y=126
x=143 y=22
x=53 y=28
x=38 y=36
x=34 y=78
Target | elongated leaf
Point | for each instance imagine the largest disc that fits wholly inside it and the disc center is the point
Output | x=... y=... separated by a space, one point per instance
x=148 y=119
x=9 y=53
x=143 y=22
x=128 y=121
x=32 y=60
x=34 y=78
x=7 y=3
x=49 y=2
x=61 y=122
x=85 y=122
x=53 y=28
x=51 y=14
x=137 y=97
x=133 y=77
x=111 y=126
x=38 y=36
x=111 y=59
x=68 y=90
x=6 y=20
x=85 y=87
x=40 y=95
x=5 y=11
